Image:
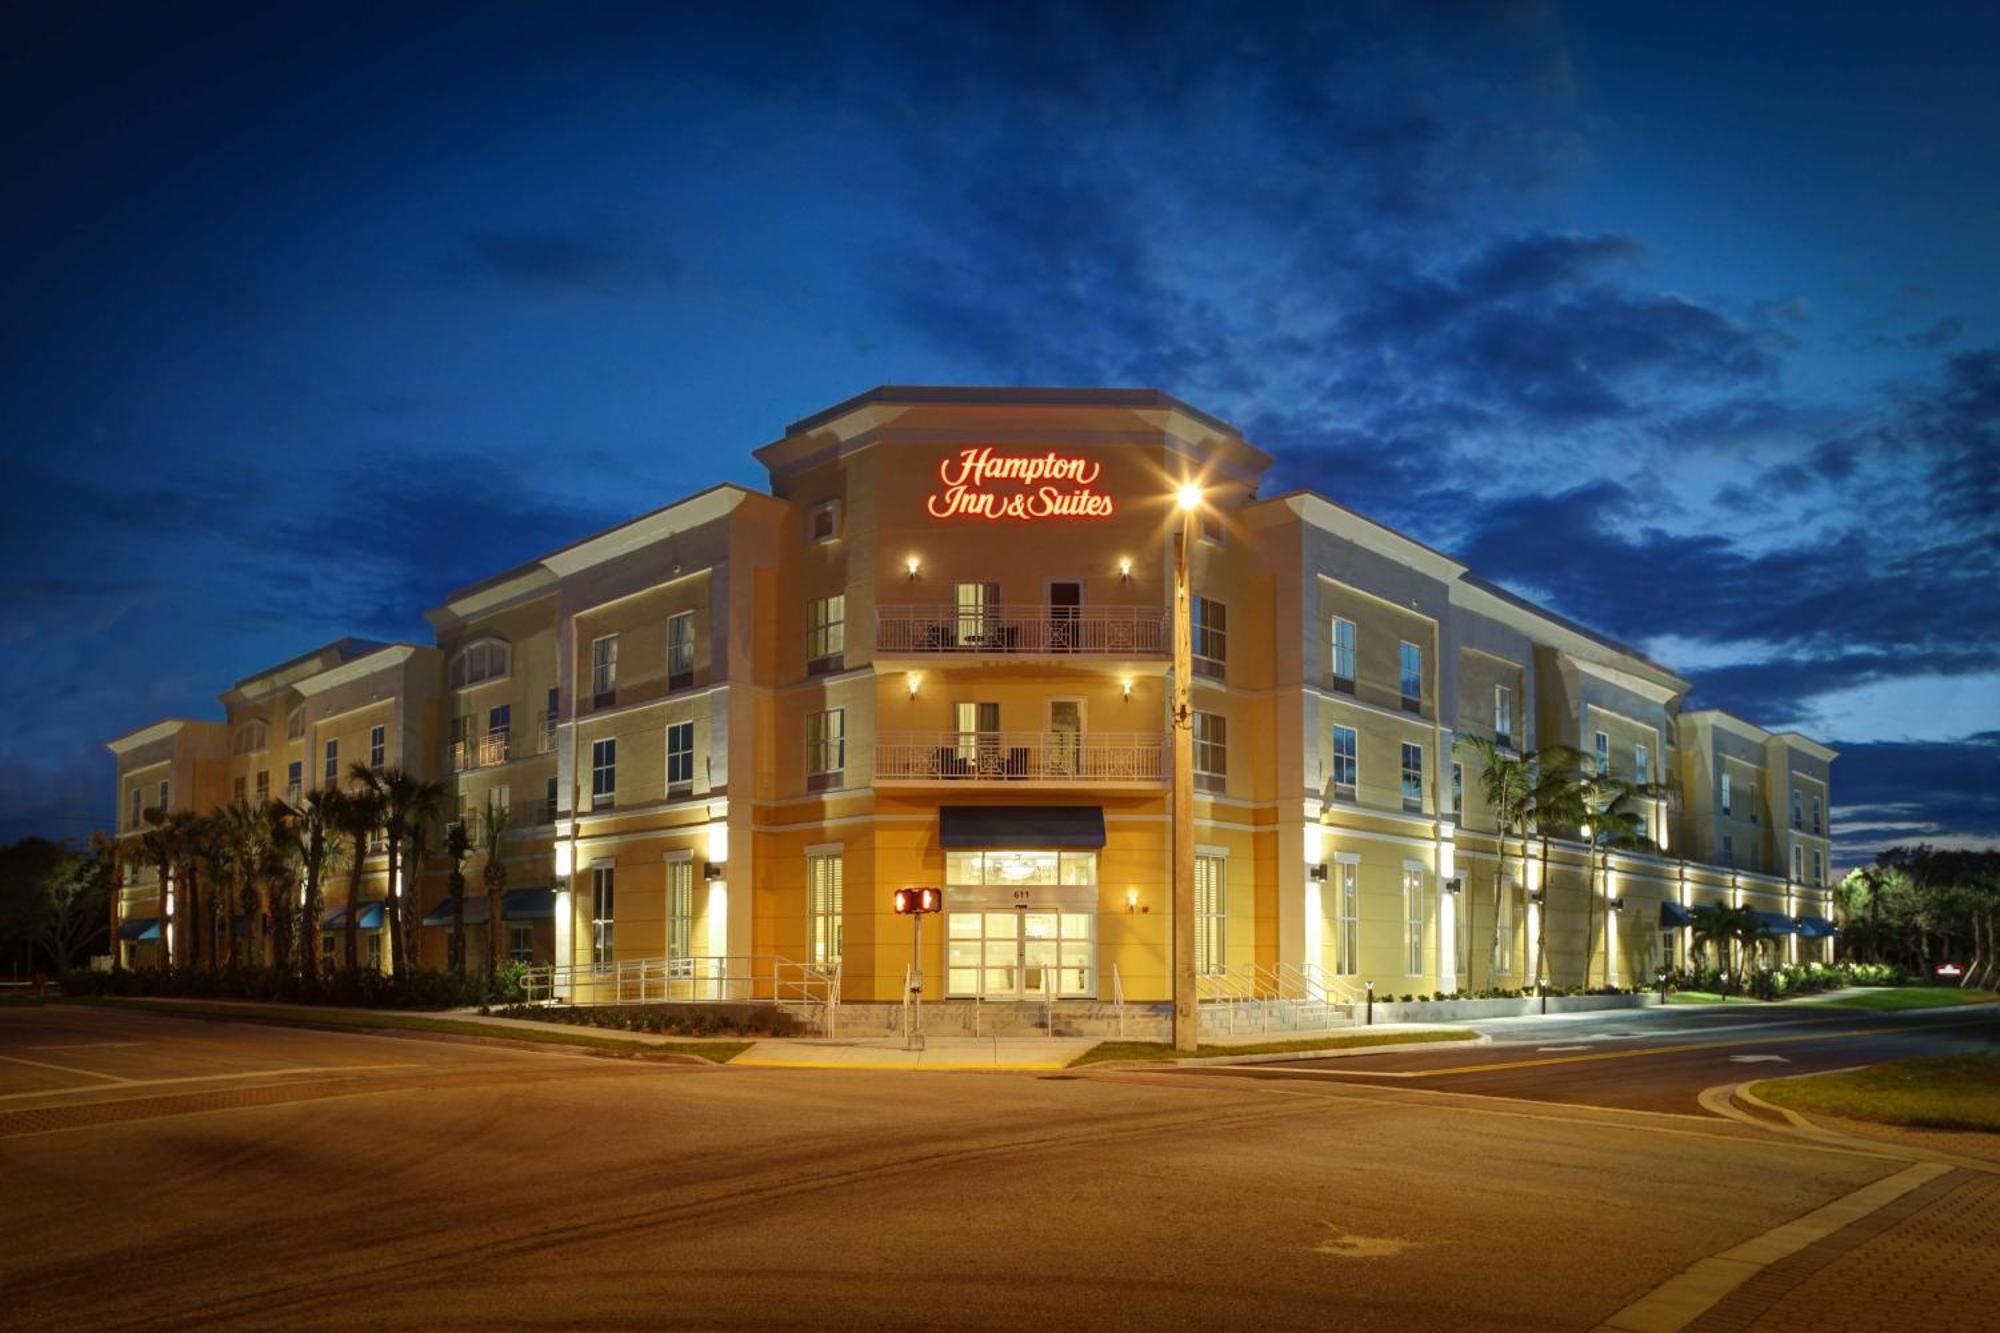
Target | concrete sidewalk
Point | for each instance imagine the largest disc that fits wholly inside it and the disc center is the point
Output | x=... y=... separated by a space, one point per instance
x=938 y=1053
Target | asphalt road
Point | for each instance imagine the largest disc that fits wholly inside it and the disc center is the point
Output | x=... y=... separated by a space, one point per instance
x=1660 y=1060
x=172 y=1173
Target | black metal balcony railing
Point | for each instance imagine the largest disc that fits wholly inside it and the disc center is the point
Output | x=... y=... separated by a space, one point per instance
x=1020 y=756
x=1113 y=631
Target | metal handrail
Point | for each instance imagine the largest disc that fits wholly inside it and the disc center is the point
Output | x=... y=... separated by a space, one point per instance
x=1021 y=628
x=695 y=979
x=1118 y=998
x=1021 y=756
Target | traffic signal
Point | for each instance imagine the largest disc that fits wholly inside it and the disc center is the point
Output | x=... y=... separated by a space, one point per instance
x=916 y=902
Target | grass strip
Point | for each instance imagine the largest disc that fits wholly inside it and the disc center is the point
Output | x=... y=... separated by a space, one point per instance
x=1160 y=1050
x=1908 y=997
x=1706 y=997
x=296 y=1015
x=1933 y=1092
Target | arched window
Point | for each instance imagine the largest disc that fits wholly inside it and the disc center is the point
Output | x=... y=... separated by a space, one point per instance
x=486 y=659
x=249 y=737
x=295 y=724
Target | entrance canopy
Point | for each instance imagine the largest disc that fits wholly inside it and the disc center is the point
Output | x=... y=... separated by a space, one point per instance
x=515 y=905
x=1815 y=928
x=1776 y=922
x=139 y=928
x=370 y=918
x=1673 y=915
x=1021 y=825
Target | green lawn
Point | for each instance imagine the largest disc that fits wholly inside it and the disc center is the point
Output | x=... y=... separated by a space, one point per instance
x=1936 y=1092
x=1159 y=1050
x=1706 y=997
x=1907 y=997
x=299 y=1015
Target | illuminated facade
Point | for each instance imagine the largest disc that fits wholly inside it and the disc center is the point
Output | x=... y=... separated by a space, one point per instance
x=937 y=652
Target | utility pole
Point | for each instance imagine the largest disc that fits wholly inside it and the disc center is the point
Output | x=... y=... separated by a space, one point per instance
x=1186 y=1017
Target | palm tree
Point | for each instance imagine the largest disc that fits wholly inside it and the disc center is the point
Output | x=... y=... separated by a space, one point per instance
x=1507 y=782
x=1615 y=821
x=457 y=846
x=1557 y=799
x=192 y=839
x=408 y=802
x=494 y=876
x=156 y=847
x=314 y=828
x=357 y=816
x=275 y=875
x=110 y=866
x=243 y=844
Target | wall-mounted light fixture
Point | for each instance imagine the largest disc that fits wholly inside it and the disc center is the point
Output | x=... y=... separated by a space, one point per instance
x=914 y=566
x=1125 y=568
x=912 y=679
x=1126 y=685
x=1454 y=885
x=1317 y=872
x=1534 y=895
x=1617 y=904
x=711 y=871
x=1132 y=900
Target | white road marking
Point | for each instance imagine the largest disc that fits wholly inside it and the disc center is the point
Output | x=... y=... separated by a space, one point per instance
x=1758 y=1059
x=1562 y=1048
x=64 y=1069
x=86 y=1045
x=204 y=1078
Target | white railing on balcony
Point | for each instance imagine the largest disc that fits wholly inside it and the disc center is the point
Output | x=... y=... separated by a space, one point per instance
x=497 y=747
x=1020 y=756
x=545 y=733
x=1115 y=631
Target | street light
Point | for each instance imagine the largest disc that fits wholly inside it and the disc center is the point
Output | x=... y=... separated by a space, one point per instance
x=1186 y=1022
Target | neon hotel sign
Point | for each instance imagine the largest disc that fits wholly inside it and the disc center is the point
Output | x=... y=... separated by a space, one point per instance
x=980 y=483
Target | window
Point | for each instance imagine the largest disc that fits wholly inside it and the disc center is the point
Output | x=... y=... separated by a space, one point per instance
x=1727 y=802
x=1343 y=655
x=1345 y=767
x=1798 y=862
x=1728 y=850
x=680 y=917
x=378 y=747
x=1503 y=928
x=1347 y=958
x=498 y=746
x=166 y=802
x=978 y=615
x=1413 y=921
x=823 y=908
x=1211 y=915
x=1211 y=752
x=823 y=522
x=1413 y=776
x=249 y=738
x=549 y=803
x=294 y=780
x=488 y=659
x=551 y=716
x=263 y=786
x=603 y=904
x=826 y=634
x=520 y=944
x=1750 y=803
x=1819 y=867
x=1642 y=764
x=604 y=671
x=680 y=651
x=603 y=773
x=680 y=759
x=332 y=771
x=1458 y=789
x=1798 y=809
x=295 y=724
x=1410 y=662
x=1601 y=749
x=826 y=749
x=978 y=731
x=375 y=950
x=1208 y=628
x=1816 y=826
x=138 y=812
x=1209 y=526
x=1503 y=715
x=239 y=790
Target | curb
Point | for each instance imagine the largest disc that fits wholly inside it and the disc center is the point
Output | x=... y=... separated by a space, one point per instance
x=1289 y=1057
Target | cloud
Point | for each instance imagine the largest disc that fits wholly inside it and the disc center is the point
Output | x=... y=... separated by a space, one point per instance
x=1897 y=792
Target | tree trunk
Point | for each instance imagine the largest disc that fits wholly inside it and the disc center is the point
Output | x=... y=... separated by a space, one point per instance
x=309 y=921
x=351 y=929
x=392 y=904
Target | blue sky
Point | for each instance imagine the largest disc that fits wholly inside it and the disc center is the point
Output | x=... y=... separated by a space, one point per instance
x=1676 y=317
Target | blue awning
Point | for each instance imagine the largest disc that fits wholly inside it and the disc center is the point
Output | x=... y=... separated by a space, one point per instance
x=1776 y=922
x=139 y=928
x=528 y=905
x=475 y=911
x=370 y=918
x=1673 y=915
x=1816 y=928
x=1021 y=826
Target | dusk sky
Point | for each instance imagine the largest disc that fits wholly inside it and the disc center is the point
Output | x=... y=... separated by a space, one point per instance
x=1677 y=318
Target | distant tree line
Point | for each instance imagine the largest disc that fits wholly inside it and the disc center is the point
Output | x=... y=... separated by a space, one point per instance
x=1921 y=907
x=53 y=897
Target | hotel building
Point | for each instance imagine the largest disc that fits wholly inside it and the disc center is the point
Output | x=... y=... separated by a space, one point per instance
x=938 y=652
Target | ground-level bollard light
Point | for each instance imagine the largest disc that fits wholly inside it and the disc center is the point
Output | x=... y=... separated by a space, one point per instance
x=1371 y=1005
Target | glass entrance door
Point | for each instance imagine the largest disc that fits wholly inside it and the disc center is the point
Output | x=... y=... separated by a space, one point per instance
x=1020 y=955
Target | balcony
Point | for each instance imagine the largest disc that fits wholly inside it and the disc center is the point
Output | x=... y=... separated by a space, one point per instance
x=545 y=733
x=1103 y=631
x=496 y=747
x=1055 y=757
